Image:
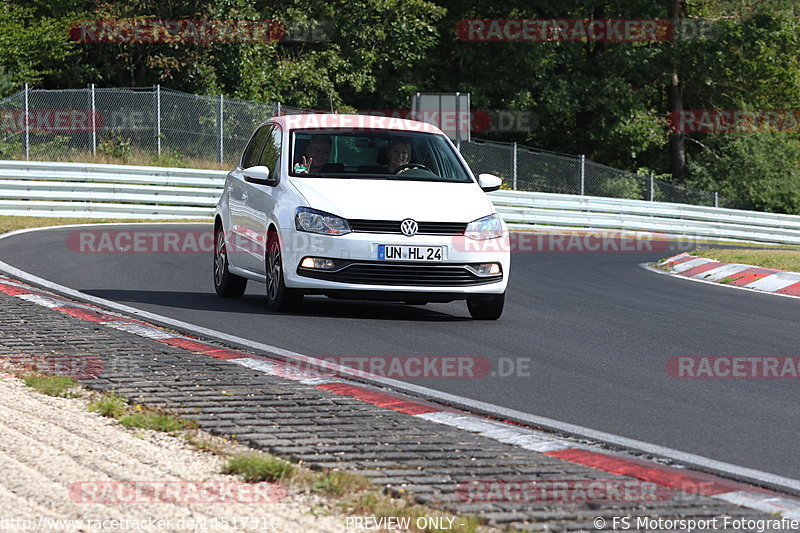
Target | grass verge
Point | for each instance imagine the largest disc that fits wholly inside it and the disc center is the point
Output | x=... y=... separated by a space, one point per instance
x=779 y=259
x=345 y=493
x=117 y=407
x=138 y=158
x=353 y=493
x=59 y=386
x=13 y=223
x=109 y=405
x=256 y=467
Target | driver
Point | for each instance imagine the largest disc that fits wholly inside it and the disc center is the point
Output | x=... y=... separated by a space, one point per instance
x=398 y=153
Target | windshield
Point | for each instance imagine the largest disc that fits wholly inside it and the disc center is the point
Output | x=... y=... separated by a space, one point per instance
x=370 y=154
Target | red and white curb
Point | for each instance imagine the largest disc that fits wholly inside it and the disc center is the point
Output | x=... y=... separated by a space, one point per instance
x=674 y=477
x=734 y=274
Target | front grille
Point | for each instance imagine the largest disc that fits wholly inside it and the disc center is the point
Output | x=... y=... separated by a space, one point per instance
x=393 y=226
x=414 y=274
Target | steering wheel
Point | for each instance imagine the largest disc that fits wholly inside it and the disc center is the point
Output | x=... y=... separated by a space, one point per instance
x=409 y=166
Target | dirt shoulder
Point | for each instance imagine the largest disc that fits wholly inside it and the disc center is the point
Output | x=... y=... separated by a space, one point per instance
x=66 y=469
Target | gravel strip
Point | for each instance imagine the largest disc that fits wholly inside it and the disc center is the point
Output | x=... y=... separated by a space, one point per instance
x=51 y=444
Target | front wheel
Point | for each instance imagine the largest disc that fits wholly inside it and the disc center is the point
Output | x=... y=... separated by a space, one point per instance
x=279 y=297
x=488 y=307
x=225 y=284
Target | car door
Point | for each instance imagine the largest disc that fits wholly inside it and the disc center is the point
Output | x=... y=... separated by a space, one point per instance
x=244 y=245
x=261 y=199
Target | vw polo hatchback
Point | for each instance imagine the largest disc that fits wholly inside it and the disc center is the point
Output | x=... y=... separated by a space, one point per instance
x=359 y=207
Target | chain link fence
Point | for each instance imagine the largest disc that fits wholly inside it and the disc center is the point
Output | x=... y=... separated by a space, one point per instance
x=123 y=122
x=529 y=169
x=175 y=126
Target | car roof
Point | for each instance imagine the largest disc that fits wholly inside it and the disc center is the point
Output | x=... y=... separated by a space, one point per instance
x=336 y=121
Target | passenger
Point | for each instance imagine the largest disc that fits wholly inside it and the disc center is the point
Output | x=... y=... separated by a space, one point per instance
x=316 y=155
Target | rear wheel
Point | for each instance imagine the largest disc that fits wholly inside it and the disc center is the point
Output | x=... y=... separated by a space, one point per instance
x=225 y=284
x=488 y=307
x=279 y=297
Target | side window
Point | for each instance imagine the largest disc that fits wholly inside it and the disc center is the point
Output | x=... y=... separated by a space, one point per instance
x=271 y=155
x=252 y=153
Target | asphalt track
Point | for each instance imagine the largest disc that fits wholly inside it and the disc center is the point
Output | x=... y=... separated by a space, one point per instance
x=595 y=329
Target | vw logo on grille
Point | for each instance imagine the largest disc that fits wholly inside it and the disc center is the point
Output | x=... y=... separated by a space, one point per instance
x=409 y=227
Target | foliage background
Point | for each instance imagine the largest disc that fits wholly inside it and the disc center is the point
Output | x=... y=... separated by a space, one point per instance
x=603 y=99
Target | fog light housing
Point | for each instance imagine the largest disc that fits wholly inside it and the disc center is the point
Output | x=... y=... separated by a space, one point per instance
x=317 y=263
x=488 y=269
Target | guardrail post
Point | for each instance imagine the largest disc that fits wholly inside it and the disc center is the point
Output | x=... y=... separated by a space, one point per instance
x=716 y=199
x=583 y=174
x=158 y=118
x=94 y=126
x=514 y=182
x=279 y=109
x=652 y=187
x=220 y=119
x=27 y=126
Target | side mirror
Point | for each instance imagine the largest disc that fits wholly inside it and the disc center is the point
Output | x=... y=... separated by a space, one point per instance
x=258 y=175
x=489 y=182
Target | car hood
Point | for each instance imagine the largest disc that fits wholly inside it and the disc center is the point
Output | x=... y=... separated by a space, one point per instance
x=376 y=199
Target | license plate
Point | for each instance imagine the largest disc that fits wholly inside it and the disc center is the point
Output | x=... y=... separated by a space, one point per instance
x=401 y=252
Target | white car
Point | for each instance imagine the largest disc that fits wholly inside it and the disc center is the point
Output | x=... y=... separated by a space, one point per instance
x=360 y=207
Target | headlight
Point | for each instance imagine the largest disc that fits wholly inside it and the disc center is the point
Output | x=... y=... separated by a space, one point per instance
x=485 y=228
x=313 y=221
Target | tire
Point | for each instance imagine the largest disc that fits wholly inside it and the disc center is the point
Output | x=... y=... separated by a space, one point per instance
x=279 y=297
x=226 y=284
x=488 y=307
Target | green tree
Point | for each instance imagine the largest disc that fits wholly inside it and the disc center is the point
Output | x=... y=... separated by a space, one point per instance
x=33 y=47
x=760 y=170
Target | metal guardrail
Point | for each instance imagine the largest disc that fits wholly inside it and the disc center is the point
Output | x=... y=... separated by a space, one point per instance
x=637 y=215
x=37 y=188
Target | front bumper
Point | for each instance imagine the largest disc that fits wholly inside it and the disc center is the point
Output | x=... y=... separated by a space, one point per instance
x=358 y=267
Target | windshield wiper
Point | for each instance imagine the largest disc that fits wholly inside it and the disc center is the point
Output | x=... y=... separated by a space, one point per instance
x=323 y=175
x=403 y=177
x=347 y=176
